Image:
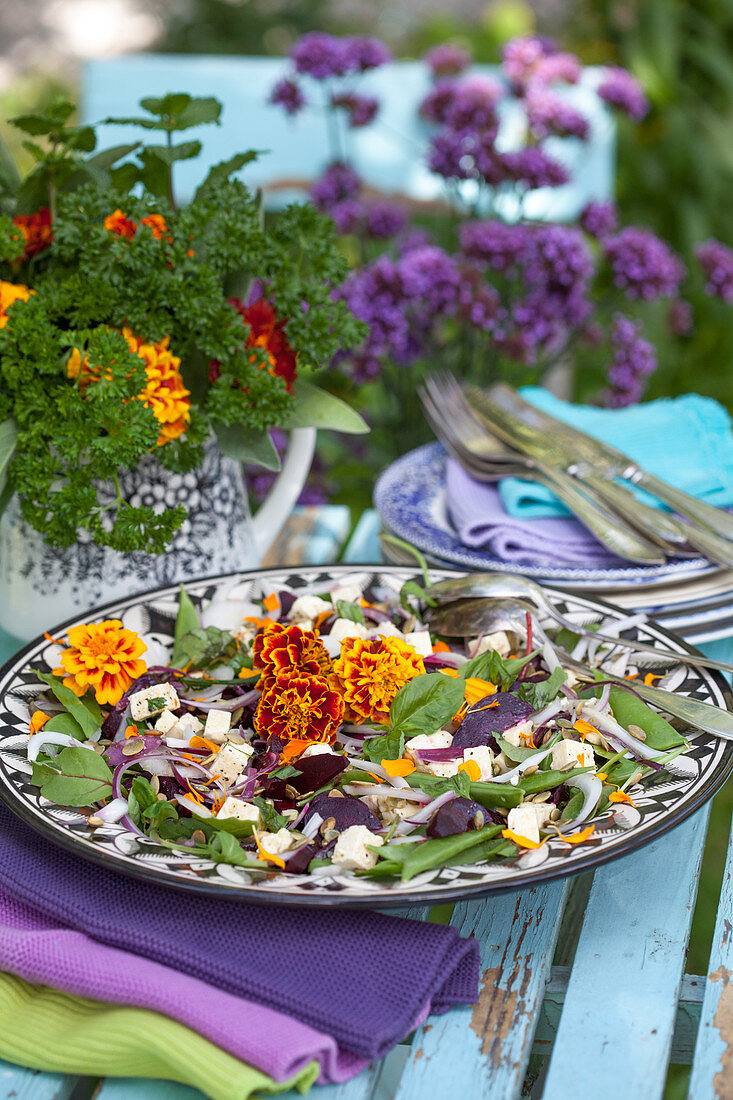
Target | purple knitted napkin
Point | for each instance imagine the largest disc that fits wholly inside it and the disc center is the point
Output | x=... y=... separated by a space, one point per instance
x=42 y=951
x=480 y=520
x=362 y=977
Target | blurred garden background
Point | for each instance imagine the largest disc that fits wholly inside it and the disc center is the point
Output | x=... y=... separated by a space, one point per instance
x=674 y=166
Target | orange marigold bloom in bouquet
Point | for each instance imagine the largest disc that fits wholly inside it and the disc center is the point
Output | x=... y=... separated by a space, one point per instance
x=371 y=673
x=281 y=649
x=120 y=225
x=300 y=706
x=104 y=657
x=164 y=392
x=9 y=293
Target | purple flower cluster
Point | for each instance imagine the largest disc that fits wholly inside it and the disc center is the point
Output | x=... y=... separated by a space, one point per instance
x=360 y=109
x=598 y=219
x=402 y=300
x=473 y=105
x=287 y=94
x=434 y=106
x=634 y=359
x=622 y=90
x=680 y=318
x=323 y=55
x=548 y=114
x=500 y=246
x=643 y=266
x=338 y=183
x=447 y=60
x=533 y=167
x=537 y=60
x=716 y=261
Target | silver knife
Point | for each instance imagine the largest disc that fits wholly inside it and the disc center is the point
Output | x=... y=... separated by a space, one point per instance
x=540 y=435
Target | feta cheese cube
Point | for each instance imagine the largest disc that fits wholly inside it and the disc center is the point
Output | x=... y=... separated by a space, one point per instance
x=351 y=593
x=217 y=726
x=237 y=807
x=153 y=700
x=484 y=757
x=308 y=607
x=518 y=735
x=522 y=820
x=275 y=843
x=420 y=642
x=231 y=761
x=166 y=722
x=345 y=628
x=318 y=750
x=542 y=811
x=189 y=725
x=440 y=740
x=497 y=641
x=574 y=753
x=351 y=851
x=444 y=769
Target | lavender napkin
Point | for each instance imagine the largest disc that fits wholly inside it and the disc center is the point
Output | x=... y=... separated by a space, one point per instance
x=480 y=520
x=361 y=977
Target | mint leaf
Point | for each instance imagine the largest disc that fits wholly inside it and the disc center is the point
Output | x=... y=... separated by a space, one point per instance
x=412 y=588
x=187 y=620
x=78 y=777
x=204 y=647
x=350 y=611
x=271 y=819
x=540 y=694
x=426 y=704
x=86 y=710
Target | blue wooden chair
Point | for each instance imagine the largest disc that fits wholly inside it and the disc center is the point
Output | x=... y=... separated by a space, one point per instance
x=389 y=154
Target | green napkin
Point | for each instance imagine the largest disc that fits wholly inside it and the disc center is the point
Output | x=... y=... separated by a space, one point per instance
x=45 y=1029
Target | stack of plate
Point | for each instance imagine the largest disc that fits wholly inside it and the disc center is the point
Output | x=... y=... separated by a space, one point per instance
x=690 y=596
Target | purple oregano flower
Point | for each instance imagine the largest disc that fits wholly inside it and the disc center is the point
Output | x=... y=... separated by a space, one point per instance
x=434 y=106
x=643 y=266
x=473 y=105
x=338 y=183
x=532 y=167
x=622 y=90
x=360 y=109
x=287 y=94
x=598 y=219
x=634 y=359
x=321 y=55
x=716 y=261
x=447 y=60
x=548 y=114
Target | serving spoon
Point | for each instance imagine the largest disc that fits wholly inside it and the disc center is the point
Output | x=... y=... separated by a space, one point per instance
x=501 y=586
x=466 y=618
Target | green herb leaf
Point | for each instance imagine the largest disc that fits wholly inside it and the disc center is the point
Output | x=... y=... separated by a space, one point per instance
x=425 y=704
x=8 y=440
x=86 y=710
x=155 y=703
x=389 y=746
x=64 y=723
x=540 y=694
x=204 y=647
x=271 y=819
x=79 y=777
x=351 y=611
x=313 y=407
x=187 y=620
x=501 y=671
x=412 y=588
x=247 y=445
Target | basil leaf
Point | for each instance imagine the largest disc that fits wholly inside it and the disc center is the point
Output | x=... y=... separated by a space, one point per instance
x=80 y=777
x=144 y=793
x=271 y=819
x=187 y=620
x=501 y=671
x=86 y=710
x=425 y=704
x=390 y=746
x=351 y=611
x=155 y=703
x=64 y=723
x=412 y=588
x=539 y=695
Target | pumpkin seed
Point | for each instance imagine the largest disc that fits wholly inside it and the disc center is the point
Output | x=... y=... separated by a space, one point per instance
x=336 y=794
x=637 y=732
x=555 y=814
x=327 y=826
x=543 y=796
x=95 y=821
x=198 y=836
x=478 y=819
x=531 y=769
x=133 y=746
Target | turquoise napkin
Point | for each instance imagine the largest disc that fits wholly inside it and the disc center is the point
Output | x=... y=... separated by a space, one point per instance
x=686 y=440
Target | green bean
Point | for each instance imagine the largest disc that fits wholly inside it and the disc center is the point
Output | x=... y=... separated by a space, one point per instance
x=628 y=710
x=545 y=781
x=496 y=794
x=443 y=850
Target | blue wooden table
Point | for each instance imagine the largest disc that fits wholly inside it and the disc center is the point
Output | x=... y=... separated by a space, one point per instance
x=583 y=982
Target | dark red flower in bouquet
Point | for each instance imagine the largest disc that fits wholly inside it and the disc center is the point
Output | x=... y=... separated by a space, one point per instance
x=267 y=331
x=36 y=229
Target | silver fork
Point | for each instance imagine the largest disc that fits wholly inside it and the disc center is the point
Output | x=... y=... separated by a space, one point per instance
x=471 y=444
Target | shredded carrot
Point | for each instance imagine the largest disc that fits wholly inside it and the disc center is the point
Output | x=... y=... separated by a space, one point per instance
x=522 y=841
x=578 y=838
x=631 y=675
x=203 y=743
x=271 y=602
x=264 y=854
x=472 y=770
x=620 y=796
x=195 y=794
x=217 y=803
x=321 y=619
x=650 y=678
x=267 y=621
x=403 y=766
x=38 y=720
x=376 y=778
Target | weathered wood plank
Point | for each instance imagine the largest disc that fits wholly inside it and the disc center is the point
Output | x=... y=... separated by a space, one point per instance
x=483 y=1050
x=310 y=536
x=621 y=1000
x=363 y=546
x=138 y=1088
x=20 y=1083
x=712 y=1068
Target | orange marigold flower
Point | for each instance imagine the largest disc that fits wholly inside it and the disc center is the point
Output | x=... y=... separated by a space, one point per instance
x=9 y=293
x=267 y=332
x=103 y=656
x=119 y=224
x=282 y=649
x=36 y=230
x=299 y=705
x=372 y=672
x=156 y=225
x=164 y=390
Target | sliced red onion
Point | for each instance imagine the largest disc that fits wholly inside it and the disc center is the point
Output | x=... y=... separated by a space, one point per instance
x=551 y=659
x=425 y=813
x=312 y=826
x=548 y=712
x=190 y=804
x=129 y=763
x=683 y=766
x=441 y=755
x=300 y=816
x=410 y=795
x=114 y=811
x=37 y=740
x=443 y=660
x=592 y=789
x=512 y=776
x=225 y=704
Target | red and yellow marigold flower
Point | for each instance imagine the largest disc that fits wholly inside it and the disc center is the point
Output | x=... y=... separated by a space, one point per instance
x=267 y=332
x=164 y=390
x=9 y=293
x=300 y=706
x=36 y=230
x=119 y=224
x=281 y=649
x=371 y=673
x=156 y=224
x=104 y=657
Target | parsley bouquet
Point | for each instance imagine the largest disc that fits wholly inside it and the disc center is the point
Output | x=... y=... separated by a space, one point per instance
x=130 y=326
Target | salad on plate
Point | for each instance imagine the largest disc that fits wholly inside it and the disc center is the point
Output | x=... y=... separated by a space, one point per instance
x=326 y=732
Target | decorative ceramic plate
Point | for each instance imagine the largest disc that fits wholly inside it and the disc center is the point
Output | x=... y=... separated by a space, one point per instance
x=410 y=498
x=663 y=801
